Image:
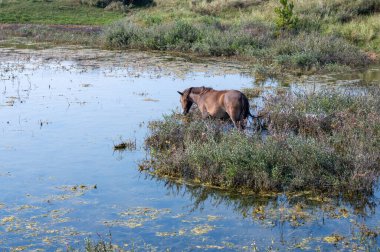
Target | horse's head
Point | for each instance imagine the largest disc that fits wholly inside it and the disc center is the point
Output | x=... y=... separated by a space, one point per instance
x=186 y=100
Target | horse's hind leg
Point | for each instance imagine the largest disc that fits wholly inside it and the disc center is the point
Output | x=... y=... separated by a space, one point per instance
x=238 y=124
x=236 y=120
x=243 y=123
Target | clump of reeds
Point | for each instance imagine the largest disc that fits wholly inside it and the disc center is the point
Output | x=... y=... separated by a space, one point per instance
x=129 y=144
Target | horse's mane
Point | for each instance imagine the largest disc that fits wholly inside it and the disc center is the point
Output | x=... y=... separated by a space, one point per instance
x=199 y=90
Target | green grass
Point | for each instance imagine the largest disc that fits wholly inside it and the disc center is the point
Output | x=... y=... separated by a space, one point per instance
x=54 y=12
x=317 y=141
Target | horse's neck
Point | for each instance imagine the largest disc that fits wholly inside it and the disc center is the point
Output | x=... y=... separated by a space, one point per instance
x=195 y=97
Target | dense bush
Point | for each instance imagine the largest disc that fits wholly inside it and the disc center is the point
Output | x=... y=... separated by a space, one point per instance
x=316 y=141
x=311 y=49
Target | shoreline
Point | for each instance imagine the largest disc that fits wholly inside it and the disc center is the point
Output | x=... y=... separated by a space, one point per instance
x=43 y=36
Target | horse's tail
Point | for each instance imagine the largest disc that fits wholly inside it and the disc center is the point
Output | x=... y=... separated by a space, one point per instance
x=246 y=111
x=245 y=107
x=258 y=116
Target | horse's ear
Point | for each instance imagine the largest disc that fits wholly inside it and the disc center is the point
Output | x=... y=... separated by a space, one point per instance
x=180 y=93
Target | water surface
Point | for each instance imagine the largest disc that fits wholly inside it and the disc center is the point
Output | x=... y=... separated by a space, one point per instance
x=62 y=111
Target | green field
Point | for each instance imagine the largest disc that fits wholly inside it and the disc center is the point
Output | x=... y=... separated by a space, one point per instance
x=54 y=12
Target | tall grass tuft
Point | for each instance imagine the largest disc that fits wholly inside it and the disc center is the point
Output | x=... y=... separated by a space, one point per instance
x=215 y=7
x=311 y=49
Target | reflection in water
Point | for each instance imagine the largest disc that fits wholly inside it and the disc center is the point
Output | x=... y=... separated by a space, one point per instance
x=284 y=212
x=363 y=205
x=366 y=77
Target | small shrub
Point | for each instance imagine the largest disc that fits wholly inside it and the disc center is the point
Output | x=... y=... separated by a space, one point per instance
x=122 y=35
x=286 y=20
x=181 y=36
x=308 y=50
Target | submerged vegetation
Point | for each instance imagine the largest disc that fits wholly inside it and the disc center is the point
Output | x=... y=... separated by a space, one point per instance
x=129 y=144
x=316 y=141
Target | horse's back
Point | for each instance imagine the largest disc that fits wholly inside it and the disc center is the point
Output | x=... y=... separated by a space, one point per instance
x=232 y=95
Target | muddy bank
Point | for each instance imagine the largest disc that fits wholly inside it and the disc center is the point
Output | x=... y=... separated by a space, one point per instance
x=182 y=66
x=162 y=64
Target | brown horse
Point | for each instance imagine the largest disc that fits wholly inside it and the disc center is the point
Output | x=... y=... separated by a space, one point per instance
x=222 y=104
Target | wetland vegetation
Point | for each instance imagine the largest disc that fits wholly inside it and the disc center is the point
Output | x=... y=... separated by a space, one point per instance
x=320 y=141
x=312 y=35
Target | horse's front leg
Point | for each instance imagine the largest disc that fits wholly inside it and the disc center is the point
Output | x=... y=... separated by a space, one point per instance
x=204 y=112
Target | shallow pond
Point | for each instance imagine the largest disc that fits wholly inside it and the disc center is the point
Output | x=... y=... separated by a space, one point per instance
x=62 y=111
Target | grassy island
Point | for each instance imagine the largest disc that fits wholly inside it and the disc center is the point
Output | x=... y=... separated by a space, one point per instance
x=316 y=141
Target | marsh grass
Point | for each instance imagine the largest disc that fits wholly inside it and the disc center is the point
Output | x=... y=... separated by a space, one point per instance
x=317 y=141
x=327 y=33
x=247 y=40
x=312 y=50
